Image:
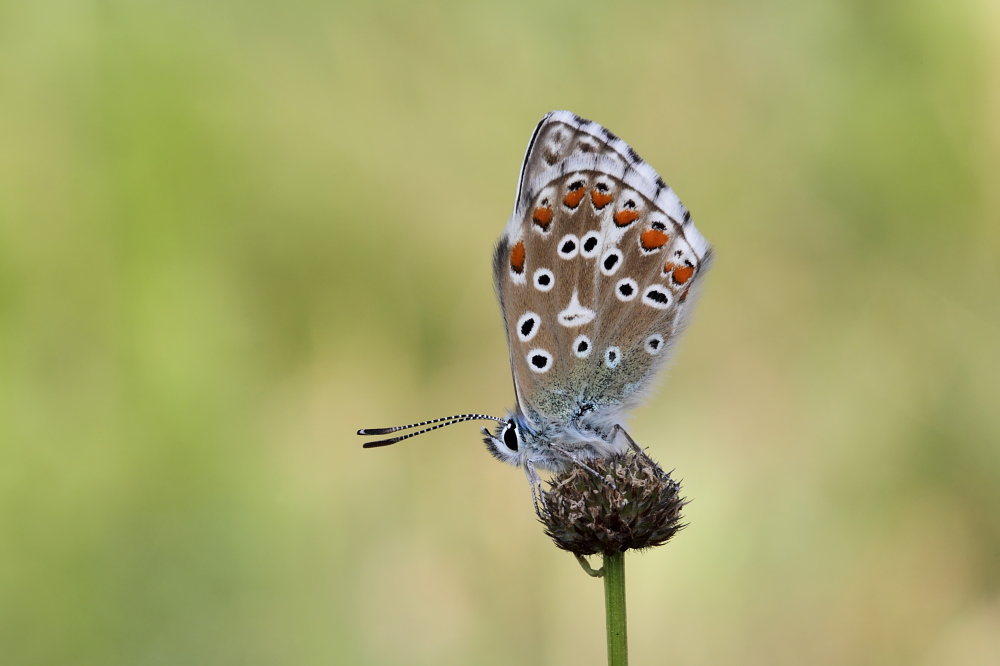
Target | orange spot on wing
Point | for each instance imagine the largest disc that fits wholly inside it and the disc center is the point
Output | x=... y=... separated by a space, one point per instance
x=600 y=199
x=542 y=217
x=652 y=239
x=574 y=197
x=625 y=217
x=517 y=258
x=669 y=267
x=684 y=295
x=683 y=273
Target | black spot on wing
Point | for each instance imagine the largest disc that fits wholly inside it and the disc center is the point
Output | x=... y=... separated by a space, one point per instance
x=658 y=296
x=687 y=216
x=527 y=326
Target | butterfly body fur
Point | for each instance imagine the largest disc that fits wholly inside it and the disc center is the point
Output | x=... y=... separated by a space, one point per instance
x=596 y=274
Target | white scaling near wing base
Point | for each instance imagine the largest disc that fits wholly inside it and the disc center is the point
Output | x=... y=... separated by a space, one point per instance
x=575 y=314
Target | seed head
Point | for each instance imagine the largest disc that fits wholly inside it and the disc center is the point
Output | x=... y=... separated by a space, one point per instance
x=634 y=505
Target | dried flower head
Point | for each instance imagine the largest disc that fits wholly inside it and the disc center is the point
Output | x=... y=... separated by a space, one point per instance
x=587 y=515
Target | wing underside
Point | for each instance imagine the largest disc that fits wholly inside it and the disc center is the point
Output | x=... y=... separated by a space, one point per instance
x=596 y=272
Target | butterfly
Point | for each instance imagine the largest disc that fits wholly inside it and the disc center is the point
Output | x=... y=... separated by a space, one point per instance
x=596 y=272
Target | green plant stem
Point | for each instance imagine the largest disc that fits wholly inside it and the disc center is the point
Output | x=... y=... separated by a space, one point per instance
x=614 y=605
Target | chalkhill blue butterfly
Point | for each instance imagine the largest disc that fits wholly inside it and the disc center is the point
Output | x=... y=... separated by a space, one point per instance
x=596 y=273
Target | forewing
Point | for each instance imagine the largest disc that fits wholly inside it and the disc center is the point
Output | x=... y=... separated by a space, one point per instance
x=594 y=271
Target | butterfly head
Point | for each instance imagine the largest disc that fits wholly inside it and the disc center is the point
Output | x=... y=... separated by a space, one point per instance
x=512 y=439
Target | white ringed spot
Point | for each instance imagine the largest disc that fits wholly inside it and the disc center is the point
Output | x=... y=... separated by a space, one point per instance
x=544 y=280
x=569 y=246
x=626 y=289
x=612 y=357
x=657 y=296
x=539 y=360
x=611 y=261
x=528 y=325
x=582 y=346
x=590 y=244
x=653 y=344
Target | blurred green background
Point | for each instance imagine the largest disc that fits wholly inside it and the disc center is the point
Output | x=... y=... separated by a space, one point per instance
x=233 y=233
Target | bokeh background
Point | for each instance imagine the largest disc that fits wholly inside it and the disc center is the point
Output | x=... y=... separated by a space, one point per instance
x=233 y=233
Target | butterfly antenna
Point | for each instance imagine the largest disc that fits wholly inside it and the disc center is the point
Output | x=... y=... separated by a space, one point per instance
x=441 y=423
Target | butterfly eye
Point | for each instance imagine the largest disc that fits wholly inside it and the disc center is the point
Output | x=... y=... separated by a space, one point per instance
x=510 y=436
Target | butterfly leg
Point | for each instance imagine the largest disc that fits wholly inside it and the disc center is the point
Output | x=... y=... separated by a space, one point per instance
x=576 y=461
x=535 y=482
x=631 y=442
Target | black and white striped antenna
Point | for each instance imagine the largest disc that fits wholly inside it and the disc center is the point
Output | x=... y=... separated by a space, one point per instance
x=441 y=423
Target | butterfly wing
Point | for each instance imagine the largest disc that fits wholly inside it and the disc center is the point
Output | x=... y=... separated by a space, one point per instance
x=595 y=272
